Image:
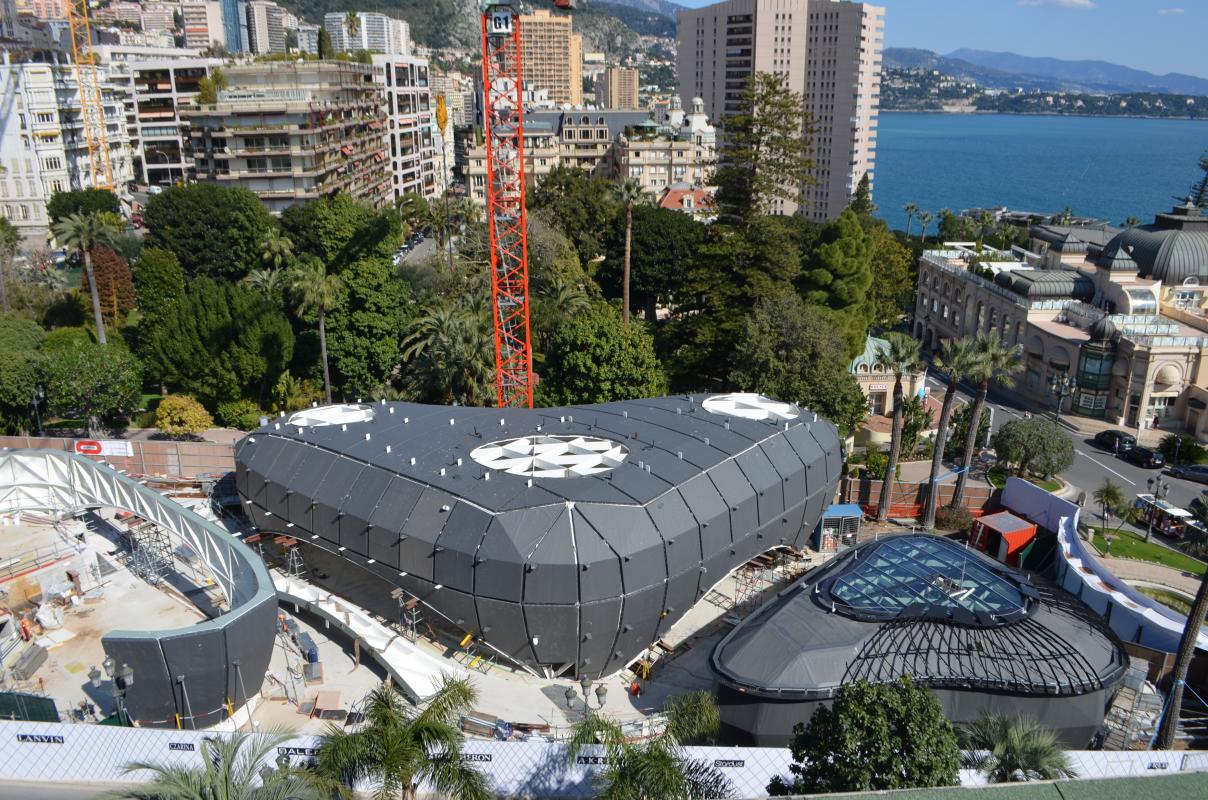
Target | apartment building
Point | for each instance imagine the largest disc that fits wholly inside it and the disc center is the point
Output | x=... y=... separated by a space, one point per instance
x=611 y=145
x=49 y=9
x=161 y=91
x=308 y=38
x=410 y=125
x=8 y=19
x=376 y=33
x=294 y=131
x=552 y=56
x=618 y=87
x=159 y=18
x=265 y=28
x=827 y=50
x=458 y=91
x=203 y=24
x=234 y=25
x=43 y=148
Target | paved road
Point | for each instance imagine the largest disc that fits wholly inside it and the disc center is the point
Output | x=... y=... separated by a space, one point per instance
x=1091 y=464
x=20 y=790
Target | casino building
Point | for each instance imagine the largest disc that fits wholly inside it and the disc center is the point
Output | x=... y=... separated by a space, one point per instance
x=567 y=539
x=982 y=635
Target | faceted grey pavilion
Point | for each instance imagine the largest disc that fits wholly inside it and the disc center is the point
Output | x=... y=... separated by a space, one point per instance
x=982 y=635
x=568 y=539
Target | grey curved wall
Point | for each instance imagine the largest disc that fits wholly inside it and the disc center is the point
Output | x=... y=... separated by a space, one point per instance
x=575 y=573
x=222 y=659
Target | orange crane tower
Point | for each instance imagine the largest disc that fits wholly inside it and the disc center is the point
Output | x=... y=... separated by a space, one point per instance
x=92 y=110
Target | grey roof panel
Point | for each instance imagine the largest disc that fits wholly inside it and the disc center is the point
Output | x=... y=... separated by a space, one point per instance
x=553 y=572
x=732 y=485
x=556 y=631
x=711 y=512
x=765 y=480
x=502 y=624
x=505 y=549
x=679 y=529
x=788 y=466
x=632 y=536
x=598 y=625
x=457 y=547
x=681 y=595
x=599 y=564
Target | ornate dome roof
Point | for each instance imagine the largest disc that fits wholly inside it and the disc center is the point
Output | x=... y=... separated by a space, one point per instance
x=1171 y=250
x=1104 y=330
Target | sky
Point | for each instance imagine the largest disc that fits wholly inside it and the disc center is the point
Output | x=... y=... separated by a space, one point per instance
x=1156 y=35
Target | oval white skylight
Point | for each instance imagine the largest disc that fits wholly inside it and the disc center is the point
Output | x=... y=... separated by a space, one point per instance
x=749 y=405
x=342 y=414
x=551 y=456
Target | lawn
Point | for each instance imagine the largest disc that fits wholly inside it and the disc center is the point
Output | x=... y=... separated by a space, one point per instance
x=997 y=476
x=1126 y=544
x=1168 y=599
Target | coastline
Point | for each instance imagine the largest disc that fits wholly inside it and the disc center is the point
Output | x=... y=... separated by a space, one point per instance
x=979 y=112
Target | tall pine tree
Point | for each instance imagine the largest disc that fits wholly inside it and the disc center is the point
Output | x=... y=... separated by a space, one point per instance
x=840 y=276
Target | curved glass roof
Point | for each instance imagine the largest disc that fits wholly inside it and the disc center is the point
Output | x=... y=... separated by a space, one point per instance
x=934 y=575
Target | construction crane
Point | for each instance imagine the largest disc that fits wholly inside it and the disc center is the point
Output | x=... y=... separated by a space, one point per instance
x=92 y=110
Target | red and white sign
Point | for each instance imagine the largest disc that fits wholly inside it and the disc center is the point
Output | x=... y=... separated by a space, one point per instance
x=92 y=447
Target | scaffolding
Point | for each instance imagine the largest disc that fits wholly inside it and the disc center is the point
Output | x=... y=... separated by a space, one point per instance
x=295 y=567
x=150 y=551
x=409 y=614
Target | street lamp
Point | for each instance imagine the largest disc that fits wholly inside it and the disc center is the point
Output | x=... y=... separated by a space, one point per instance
x=1158 y=488
x=1061 y=386
x=585 y=687
x=37 y=395
x=120 y=682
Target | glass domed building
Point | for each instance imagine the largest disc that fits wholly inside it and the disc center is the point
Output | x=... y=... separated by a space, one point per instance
x=983 y=636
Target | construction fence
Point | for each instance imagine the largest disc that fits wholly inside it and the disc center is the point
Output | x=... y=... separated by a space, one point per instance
x=140 y=456
x=95 y=754
x=906 y=499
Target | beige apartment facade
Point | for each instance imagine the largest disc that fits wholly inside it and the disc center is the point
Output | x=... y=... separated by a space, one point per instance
x=552 y=56
x=1126 y=328
x=828 y=51
x=619 y=88
x=294 y=131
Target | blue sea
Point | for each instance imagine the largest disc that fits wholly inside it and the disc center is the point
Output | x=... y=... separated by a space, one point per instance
x=1104 y=167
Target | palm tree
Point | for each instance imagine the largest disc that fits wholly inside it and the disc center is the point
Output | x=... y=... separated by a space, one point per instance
x=960 y=357
x=925 y=218
x=1006 y=748
x=902 y=357
x=449 y=354
x=629 y=193
x=557 y=303
x=400 y=747
x=232 y=767
x=316 y=291
x=83 y=232
x=911 y=209
x=1197 y=545
x=998 y=365
x=265 y=281
x=352 y=24
x=1110 y=497
x=276 y=251
x=657 y=768
x=1132 y=222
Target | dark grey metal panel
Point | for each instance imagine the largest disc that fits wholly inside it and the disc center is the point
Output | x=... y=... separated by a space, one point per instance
x=598 y=624
x=248 y=644
x=599 y=568
x=199 y=657
x=309 y=476
x=553 y=573
x=422 y=528
x=739 y=496
x=280 y=479
x=710 y=511
x=357 y=510
x=261 y=456
x=814 y=507
x=638 y=485
x=505 y=549
x=789 y=528
x=502 y=624
x=827 y=437
x=149 y=700
x=629 y=533
x=457 y=606
x=811 y=455
x=639 y=619
x=765 y=480
x=556 y=630
x=457 y=547
x=681 y=595
x=716 y=567
x=330 y=496
x=789 y=467
x=388 y=516
x=679 y=529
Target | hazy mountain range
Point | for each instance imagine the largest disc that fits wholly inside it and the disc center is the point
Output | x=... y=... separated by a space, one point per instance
x=1009 y=70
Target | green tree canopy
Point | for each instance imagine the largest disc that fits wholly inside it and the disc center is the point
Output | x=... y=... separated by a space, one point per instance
x=861 y=200
x=215 y=231
x=449 y=354
x=893 y=275
x=664 y=248
x=20 y=373
x=19 y=334
x=583 y=207
x=180 y=415
x=839 y=276
x=595 y=358
x=794 y=352
x=81 y=201
x=365 y=327
x=340 y=230
x=1011 y=748
x=223 y=342
x=97 y=382
x=1034 y=445
x=114 y=285
x=872 y=738
x=766 y=156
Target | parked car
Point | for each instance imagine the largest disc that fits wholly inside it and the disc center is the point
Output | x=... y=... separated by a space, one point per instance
x=1108 y=441
x=1143 y=457
x=1191 y=472
x=155 y=190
